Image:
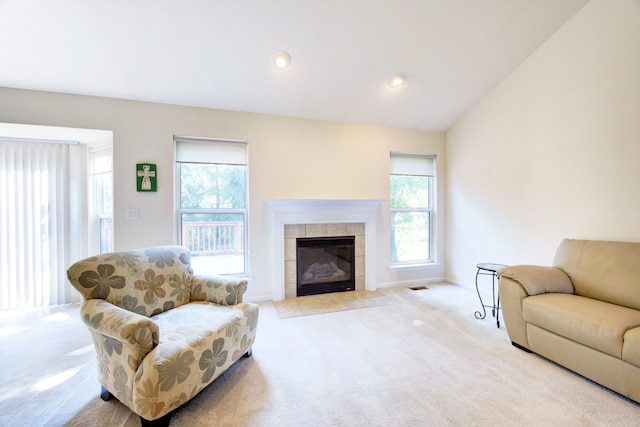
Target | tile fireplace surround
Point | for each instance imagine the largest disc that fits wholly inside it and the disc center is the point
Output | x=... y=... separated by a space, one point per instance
x=322 y=214
x=293 y=231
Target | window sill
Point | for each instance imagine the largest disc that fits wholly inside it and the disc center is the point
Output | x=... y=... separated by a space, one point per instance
x=417 y=266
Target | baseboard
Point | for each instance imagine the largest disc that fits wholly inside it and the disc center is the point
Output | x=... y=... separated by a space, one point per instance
x=410 y=282
x=257 y=298
x=459 y=283
x=406 y=283
x=485 y=289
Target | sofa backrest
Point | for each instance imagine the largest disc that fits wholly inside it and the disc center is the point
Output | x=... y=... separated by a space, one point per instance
x=146 y=281
x=604 y=270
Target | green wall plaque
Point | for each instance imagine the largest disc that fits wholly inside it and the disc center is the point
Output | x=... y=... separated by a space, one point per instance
x=146 y=177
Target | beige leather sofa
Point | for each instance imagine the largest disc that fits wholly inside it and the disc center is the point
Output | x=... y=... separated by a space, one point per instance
x=161 y=333
x=583 y=313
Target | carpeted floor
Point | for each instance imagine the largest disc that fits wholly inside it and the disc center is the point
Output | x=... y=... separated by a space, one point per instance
x=422 y=361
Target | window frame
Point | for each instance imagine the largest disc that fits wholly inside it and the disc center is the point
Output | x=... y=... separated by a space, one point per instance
x=179 y=211
x=98 y=214
x=429 y=209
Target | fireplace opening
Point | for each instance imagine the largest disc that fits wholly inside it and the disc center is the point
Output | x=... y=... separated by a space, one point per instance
x=325 y=264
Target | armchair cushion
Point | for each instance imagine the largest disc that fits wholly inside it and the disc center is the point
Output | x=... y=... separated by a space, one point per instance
x=199 y=342
x=147 y=281
x=217 y=289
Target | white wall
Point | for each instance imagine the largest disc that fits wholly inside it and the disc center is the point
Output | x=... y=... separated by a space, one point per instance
x=288 y=158
x=553 y=151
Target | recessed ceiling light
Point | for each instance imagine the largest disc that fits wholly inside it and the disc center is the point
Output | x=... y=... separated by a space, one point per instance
x=282 y=60
x=397 y=79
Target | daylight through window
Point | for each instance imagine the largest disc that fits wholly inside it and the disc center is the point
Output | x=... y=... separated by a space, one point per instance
x=411 y=202
x=101 y=183
x=211 y=203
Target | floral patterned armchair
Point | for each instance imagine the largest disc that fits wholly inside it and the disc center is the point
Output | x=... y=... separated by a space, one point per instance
x=161 y=332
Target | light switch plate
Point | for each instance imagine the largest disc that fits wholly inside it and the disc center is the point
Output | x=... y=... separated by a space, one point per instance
x=132 y=213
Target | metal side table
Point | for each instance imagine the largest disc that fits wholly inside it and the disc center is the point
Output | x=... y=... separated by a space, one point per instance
x=489 y=269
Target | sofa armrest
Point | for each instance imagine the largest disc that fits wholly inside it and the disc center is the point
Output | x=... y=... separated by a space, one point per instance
x=537 y=279
x=220 y=290
x=122 y=325
x=511 y=296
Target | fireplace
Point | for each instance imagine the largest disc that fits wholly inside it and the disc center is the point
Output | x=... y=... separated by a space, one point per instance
x=324 y=234
x=325 y=265
x=292 y=218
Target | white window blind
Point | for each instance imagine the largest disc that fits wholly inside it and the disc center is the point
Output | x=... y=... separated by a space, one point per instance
x=42 y=188
x=210 y=151
x=409 y=164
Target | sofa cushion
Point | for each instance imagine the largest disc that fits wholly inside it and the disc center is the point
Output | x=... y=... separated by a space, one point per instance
x=603 y=270
x=631 y=347
x=594 y=323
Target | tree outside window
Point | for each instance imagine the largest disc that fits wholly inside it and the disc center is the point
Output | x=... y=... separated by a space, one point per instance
x=411 y=209
x=212 y=214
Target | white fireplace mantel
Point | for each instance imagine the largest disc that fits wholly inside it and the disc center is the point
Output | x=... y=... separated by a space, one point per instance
x=317 y=211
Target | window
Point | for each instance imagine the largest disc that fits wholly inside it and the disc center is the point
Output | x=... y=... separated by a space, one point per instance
x=101 y=184
x=212 y=203
x=411 y=201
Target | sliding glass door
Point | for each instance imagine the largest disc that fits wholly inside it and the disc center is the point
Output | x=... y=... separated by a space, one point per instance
x=42 y=221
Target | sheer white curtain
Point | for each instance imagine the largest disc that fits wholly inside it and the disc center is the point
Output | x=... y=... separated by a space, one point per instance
x=42 y=194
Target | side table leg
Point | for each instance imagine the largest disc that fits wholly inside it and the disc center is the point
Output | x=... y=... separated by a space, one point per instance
x=478 y=314
x=493 y=295
x=498 y=312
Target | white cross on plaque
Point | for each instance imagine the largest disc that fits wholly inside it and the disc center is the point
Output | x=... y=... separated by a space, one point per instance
x=146 y=175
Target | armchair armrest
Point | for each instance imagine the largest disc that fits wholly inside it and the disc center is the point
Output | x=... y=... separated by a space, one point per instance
x=122 y=325
x=221 y=290
x=538 y=279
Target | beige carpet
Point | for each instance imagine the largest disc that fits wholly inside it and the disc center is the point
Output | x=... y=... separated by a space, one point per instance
x=329 y=303
x=423 y=361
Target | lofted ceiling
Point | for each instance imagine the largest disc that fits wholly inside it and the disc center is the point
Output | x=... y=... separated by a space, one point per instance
x=218 y=53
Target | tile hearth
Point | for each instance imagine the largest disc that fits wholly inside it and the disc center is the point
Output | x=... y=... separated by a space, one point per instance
x=329 y=303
